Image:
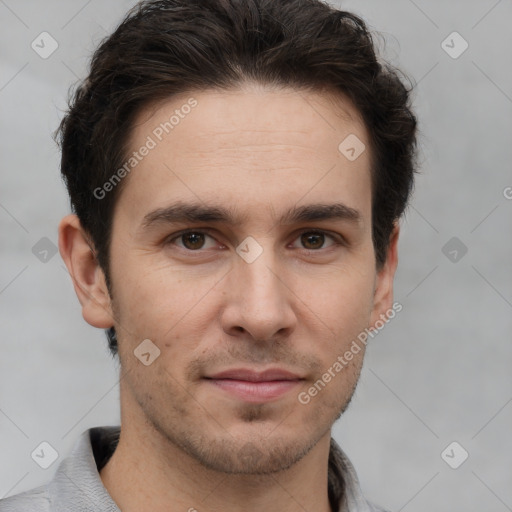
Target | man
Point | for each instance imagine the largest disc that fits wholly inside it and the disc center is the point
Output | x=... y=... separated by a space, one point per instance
x=237 y=170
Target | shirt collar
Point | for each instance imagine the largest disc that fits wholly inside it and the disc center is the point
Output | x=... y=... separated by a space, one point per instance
x=77 y=484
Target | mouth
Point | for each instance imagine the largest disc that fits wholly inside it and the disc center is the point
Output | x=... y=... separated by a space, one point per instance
x=252 y=386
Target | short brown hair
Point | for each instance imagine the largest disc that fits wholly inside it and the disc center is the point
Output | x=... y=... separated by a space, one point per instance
x=167 y=47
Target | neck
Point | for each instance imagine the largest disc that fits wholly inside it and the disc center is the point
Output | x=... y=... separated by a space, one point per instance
x=147 y=472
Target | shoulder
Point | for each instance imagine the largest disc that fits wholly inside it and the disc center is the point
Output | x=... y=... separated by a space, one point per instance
x=35 y=500
x=62 y=493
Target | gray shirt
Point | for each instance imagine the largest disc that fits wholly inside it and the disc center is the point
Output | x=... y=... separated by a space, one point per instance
x=77 y=486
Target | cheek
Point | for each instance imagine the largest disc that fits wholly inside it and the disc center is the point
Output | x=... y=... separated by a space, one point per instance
x=172 y=312
x=342 y=313
x=157 y=298
x=343 y=302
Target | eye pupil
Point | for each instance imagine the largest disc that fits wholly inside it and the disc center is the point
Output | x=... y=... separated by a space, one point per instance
x=314 y=240
x=193 y=240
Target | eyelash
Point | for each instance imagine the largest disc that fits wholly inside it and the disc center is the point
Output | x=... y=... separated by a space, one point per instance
x=337 y=239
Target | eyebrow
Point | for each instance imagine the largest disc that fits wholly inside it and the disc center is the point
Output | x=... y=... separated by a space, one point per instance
x=199 y=212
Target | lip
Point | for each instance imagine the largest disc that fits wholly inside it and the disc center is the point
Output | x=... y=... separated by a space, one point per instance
x=249 y=375
x=254 y=386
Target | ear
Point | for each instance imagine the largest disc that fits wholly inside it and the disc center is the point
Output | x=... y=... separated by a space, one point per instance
x=383 y=294
x=88 y=278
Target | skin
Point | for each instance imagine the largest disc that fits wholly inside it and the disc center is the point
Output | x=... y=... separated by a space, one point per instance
x=186 y=444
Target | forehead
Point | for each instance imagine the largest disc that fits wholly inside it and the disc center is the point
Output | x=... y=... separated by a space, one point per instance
x=251 y=145
x=251 y=107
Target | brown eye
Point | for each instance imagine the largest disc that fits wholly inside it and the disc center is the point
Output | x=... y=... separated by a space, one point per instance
x=312 y=240
x=317 y=241
x=193 y=240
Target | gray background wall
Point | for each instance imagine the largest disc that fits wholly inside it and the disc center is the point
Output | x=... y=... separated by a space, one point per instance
x=439 y=372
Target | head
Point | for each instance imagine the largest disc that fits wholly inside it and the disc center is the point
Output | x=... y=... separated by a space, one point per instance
x=237 y=171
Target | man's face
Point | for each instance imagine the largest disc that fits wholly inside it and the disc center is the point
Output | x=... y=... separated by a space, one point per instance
x=292 y=297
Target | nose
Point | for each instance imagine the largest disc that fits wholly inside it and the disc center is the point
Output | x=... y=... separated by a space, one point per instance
x=260 y=301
